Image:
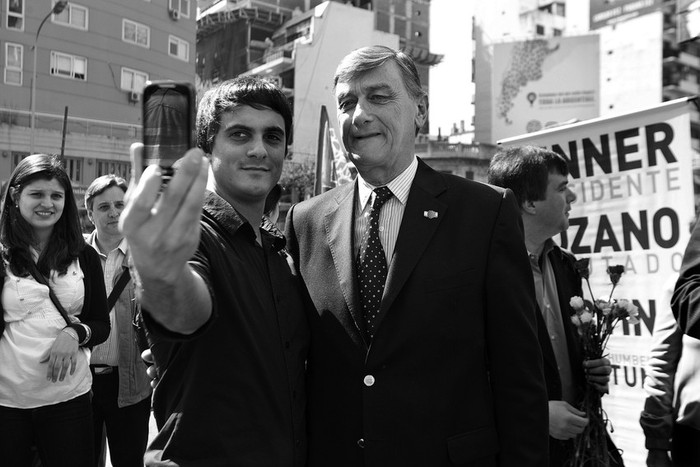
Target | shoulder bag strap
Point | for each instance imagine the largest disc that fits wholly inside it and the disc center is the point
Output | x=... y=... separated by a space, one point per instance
x=42 y=280
x=118 y=288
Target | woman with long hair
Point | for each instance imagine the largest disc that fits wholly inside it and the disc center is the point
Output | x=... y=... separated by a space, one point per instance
x=45 y=378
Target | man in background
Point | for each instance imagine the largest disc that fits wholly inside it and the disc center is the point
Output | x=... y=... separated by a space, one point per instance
x=121 y=401
x=539 y=180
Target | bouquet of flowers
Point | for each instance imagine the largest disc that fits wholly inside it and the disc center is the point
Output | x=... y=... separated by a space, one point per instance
x=595 y=321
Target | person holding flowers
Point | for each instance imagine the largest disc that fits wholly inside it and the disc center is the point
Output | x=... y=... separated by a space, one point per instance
x=539 y=180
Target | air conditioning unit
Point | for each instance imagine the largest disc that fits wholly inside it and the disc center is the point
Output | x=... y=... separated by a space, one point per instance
x=174 y=14
x=134 y=97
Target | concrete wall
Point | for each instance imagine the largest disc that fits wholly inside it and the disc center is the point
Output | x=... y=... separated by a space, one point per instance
x=631 y=64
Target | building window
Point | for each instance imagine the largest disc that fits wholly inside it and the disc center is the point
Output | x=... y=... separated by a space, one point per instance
x=303 y=29
x=178 y=48
x=469 y=174
x=13 y=63
x=73 y=15
x=68 y=66
x=559 y=8
x=121 y=169
x=182 y=6
x=133 y=80
x=136 y=33
x=539 y=30
x=15 y=14
x=74 y=168
x=556 y=32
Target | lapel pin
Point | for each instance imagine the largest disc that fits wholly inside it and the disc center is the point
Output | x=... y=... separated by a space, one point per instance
x=430 y=214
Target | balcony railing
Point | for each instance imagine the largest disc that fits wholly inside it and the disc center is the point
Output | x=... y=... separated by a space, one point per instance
x=84 y=126
x=446 y=149
x=272 y=55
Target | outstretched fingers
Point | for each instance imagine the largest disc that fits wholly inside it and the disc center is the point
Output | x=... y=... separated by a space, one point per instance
x=180 y=204
x=141 y=196
x=187 y=218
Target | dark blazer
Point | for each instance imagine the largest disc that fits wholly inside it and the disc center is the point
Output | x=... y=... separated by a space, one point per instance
x=686 y=296
x=568 y=285
x=454 y=373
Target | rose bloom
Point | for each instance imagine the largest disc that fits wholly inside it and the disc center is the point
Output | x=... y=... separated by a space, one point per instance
x=576 y=303
x=632 y=311
x=628 y=306
x=586 y=317
x=575 y=319
x=604 y=306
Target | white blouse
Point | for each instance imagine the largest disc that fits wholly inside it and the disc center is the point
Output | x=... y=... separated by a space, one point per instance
x=32 y=324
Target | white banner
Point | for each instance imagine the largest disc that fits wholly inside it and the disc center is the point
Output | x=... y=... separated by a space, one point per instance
x=632 y=175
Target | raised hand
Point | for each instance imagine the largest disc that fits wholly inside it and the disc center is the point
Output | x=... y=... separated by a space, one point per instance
x=162 y=228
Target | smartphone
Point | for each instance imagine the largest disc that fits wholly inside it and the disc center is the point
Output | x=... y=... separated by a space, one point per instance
x=169 y=110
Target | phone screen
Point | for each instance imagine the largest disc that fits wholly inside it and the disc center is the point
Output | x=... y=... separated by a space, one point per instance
x=168 y=120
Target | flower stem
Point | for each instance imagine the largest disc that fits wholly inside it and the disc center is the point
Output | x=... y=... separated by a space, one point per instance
x=590 y=291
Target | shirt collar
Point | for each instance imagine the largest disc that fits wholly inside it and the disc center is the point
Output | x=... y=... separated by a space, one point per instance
x=400 y=186
x=226 y=215
x=122 y=246
x=92 y=241
x=546 y=248
x=277 y=237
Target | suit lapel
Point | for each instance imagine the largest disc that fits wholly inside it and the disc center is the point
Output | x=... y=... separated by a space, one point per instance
x=415 y=232
x=339 y=225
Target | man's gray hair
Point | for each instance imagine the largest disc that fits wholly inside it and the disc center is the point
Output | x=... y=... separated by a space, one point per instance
x=365 y=59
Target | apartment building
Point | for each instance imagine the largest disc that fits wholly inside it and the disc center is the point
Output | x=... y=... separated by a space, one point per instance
x=85 y=68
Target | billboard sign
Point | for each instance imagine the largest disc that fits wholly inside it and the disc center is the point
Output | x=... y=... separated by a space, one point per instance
x=541 y=82
x=607 y=12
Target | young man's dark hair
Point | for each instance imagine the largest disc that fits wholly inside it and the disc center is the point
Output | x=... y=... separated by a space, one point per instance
x=254 y=92
x=525 y=170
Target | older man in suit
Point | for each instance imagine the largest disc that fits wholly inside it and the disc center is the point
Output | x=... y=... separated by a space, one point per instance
x=424 y=346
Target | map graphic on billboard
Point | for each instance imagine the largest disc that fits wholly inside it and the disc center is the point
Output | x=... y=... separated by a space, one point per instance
x=540 y=83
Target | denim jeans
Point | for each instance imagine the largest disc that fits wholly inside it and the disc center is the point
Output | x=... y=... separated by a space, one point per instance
x=63 y=434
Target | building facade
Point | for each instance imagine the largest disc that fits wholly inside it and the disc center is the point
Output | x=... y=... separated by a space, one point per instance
x=92 y=61
x=298 y=44
x=636 y=39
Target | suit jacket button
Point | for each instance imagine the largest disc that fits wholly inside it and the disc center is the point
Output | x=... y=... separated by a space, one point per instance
x=361 y=443
x=369 y=380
